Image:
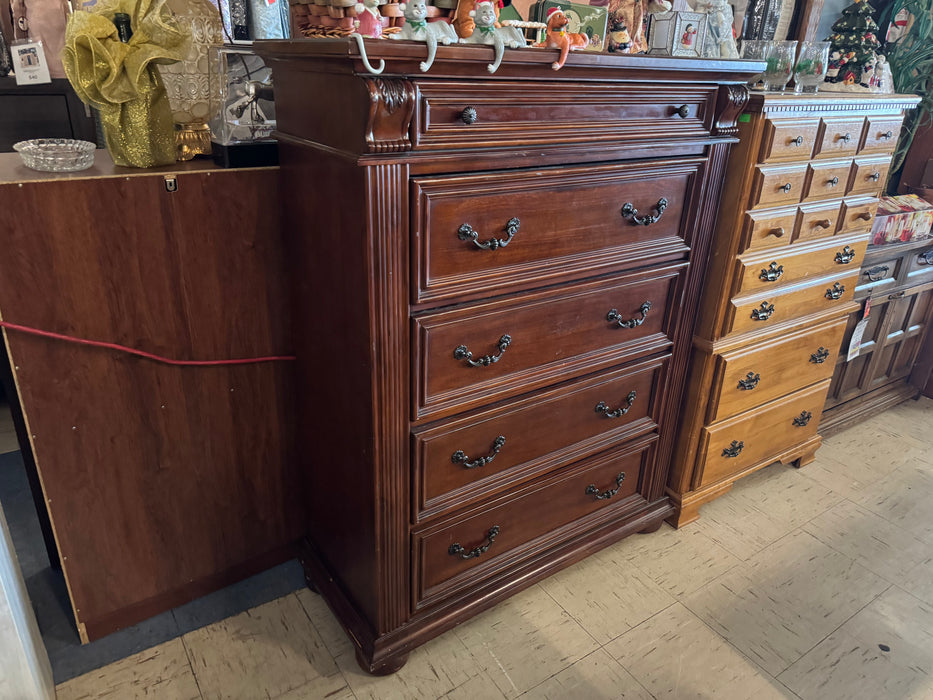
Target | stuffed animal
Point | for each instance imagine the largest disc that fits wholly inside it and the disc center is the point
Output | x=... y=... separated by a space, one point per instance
x=486 y=32
x=557 y=37
x=417 y=28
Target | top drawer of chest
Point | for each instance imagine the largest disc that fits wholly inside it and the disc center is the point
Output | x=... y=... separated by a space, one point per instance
x=801 y=138
x=463 y=114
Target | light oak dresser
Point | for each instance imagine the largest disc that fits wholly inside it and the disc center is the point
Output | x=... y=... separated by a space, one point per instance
x=798 y=205
x=495 y=279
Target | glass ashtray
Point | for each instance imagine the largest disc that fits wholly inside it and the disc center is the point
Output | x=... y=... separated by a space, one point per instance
x=56 y=155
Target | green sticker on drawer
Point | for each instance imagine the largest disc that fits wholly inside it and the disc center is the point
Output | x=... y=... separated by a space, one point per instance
x=745 y=118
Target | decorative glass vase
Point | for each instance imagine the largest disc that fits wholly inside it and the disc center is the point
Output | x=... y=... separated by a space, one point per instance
x=812 y=62
x=780 y=60
x=755 y=50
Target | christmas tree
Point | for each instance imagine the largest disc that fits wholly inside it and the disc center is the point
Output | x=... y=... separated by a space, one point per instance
x=853 y=45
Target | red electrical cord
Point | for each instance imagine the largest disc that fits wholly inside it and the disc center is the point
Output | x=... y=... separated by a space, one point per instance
x=141 y=353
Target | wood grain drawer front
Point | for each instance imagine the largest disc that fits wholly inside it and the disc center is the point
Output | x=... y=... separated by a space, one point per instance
x=827 y=179
x=857 y=214
x=563 y=220
x=778 y=184
x=463 y=460
x=820 y=220
x=471 y=356
x=839 y=137
x=789 y=265
x=879 y=276
x=881 y=134
x=510 y=113
x=788 y=139
x=758 y=374
x=768 y=309
x=729 y=447
x=469 y=547
x=869 y=175
x=769 y=228
x=920 y=266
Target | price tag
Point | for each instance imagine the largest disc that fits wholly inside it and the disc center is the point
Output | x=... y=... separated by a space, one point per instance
x=855 y=343
x=29 y=63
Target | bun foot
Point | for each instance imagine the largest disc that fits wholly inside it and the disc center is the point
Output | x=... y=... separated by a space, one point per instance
x=651 y=528
x=383 y=667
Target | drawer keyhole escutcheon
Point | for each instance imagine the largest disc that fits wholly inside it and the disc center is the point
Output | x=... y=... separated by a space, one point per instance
x=591 y=490
x=750 y=382
x=845 y=256
x=459 y=457
x=833 y=182
x=630 y=212
x=683 y=111
x=466 y=233
x=772 y=273
x=876 y=273
x=457 y=550
x=614 y=315
x=820 y=356
x=803 y=419
x=787 y=187
x=763 y=312
x=797 y=141
x=836 y=291
x=461 y=353
x=602 y=407
x=844 y=137
x=468 y=115
x=735 y=449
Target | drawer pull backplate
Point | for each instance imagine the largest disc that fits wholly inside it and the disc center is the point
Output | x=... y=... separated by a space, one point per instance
x=466 y=233
x=456 y=549
x=763 y=312
x=602 y=407
x=614 y=315
x=836 y=291
x=820 y=356
x=735 y=449
x=630 y=212
x=750 y=382
x=459 y=457
x=591 y=490
x=803 y=419
x=845 y=256
x=461 y=353
x=772 y=273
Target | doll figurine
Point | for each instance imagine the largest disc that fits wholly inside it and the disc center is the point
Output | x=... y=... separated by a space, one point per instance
x=835 y=63
x=557 y=37
x=369 y=22
x=720 y=42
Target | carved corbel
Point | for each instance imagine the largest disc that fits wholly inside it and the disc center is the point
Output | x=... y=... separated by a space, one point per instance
x=391 y=107
x=729 y=105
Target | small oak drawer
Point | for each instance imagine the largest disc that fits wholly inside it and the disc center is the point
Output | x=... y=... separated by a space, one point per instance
x=881 y=134
x=513 y=113
x=769 y=228
x=462 y=460
x=764 y=309
x=788 y=265
x=869 y=175
x=818 y=220
x=827 y=179
x=467 y=548
x=839 y=137
x=728 y=448
x=478 y=234
x=757 y=374
x=788 y=139
x=778 y=184
x=475 y=355
x=858 y=213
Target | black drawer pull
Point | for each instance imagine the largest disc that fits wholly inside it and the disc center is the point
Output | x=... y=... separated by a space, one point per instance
x=630 y=212
x=787 y=187
x=876 y=273
x=772 y=274
x=468 y=115
x=614 y=315
x=797 y=141
x=763 y=312
x=925 y=258
x=683 y=111
x=875 y=176
x=466 y=233
x=820 y=356
x=886 y=135
x=734 y=450
x=835 y=292
x=803 y=419
x=602 y=407
x=750 y=382
x=844 y=137
x=845 y=256
x=461 y=353
x=833 y=182
x=591 y=490
x=459 y=457
x=456 y=549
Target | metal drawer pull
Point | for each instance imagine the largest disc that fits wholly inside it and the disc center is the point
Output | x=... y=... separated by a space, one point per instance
x=876 y=273
x=925 y=258
x=803 y=419
x=630 y=212
x=776 y=232
x=865 y=216
x=787 y=187
x=456 y=549
x=823 y=223
x=797 y=141
x=683 y=111
x=896 y=295
x=602 y=407
x=772 y=274
x=591 y=490
x=466 y=233
x=734 y=450
x=833 y=182
x=614 y=315
x=468 y=115
x=836 y=292
x=763 y=312
x=886 y=135
x=845 y=256
x=875 y=176
x=461 y=353
x=820 y=356
x=750 y=382
x=847 y=137
x=459 y=457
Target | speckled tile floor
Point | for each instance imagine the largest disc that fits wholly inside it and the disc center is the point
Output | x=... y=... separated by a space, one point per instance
x=813 y=584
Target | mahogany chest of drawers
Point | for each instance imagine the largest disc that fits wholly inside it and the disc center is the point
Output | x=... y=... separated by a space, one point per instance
x=494 y=281
x=791 y=234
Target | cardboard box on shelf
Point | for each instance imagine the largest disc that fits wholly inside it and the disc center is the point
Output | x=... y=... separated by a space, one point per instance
x=902 y=218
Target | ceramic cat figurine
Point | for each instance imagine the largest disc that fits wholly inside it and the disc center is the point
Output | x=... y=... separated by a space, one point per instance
x=486 y=32
x=417 y=28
